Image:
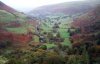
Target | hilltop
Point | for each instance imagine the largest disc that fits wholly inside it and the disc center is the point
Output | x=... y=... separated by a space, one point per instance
x=68 y=8
x=6 y=7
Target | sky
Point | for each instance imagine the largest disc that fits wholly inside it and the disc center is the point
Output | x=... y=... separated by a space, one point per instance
x=26 y=5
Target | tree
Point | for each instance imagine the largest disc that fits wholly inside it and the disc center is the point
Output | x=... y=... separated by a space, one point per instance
x=58 y=35
x=5 y=44
x=44 y=47
x=53 y=58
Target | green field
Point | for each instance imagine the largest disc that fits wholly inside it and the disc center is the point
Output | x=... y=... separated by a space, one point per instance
x=6 y=16
x=19 y=30
x=65 y=23
x=10 y=17
x=46 y=26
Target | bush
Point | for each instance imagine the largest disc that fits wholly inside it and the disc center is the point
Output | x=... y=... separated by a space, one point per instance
x=3 y=60
x=53 y=58
x=5 y=44
x=44 y=47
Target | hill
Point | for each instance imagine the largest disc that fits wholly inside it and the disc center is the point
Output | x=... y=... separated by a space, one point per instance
x=6 y=7
x=87 y=28
x=14 y=25
x=68 y=8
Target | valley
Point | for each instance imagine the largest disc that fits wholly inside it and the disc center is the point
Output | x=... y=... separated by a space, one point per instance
x=66 y=33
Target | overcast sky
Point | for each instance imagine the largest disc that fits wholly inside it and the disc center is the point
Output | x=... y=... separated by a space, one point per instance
x=25 y=5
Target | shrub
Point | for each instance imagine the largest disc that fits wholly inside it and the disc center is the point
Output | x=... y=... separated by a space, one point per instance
x=44 y=47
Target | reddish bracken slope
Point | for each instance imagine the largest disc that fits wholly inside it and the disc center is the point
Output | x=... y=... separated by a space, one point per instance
x=14 y=38
x=6 y=8
x=88 y=19
x=89 y=25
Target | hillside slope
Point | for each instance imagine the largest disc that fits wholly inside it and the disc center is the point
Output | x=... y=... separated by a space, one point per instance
x=87 y=28
x=68 y=8
x=6 y=7
x=14 y=25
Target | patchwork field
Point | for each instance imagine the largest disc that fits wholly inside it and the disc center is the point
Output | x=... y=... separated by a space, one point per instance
x=63 y=30
x=66 y=33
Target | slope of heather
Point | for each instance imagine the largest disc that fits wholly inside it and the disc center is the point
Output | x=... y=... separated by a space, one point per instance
x=68 y=8
x=87 y=33
x=6 y=7
x=89 y=19
x=88 y=26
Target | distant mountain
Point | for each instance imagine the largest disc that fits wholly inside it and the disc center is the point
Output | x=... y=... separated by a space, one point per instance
x=68 y=8
x=6 y=8
x=88 y=20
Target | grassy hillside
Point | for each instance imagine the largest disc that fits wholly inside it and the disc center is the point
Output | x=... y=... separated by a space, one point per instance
x=9 y=19
x=6 y=16
x=68 y=8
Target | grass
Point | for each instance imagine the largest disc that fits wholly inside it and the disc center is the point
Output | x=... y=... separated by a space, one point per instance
x=10 y=17
x=36 y=39
x=63 y=32
x=6 y=16
x=67 y=42
x=19 y=30
x=46 y=26
x=50 y=45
